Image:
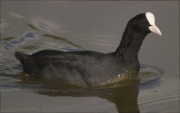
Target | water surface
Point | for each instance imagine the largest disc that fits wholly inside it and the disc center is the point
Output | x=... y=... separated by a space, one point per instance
x=30 y=26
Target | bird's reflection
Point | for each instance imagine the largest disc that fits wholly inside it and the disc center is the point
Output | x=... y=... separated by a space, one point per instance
x=123 y=95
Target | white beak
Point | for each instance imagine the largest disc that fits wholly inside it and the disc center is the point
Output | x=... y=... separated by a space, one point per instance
x=151 y=19
x=155 y=30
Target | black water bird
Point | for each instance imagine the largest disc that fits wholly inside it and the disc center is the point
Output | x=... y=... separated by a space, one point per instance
x=90 y=68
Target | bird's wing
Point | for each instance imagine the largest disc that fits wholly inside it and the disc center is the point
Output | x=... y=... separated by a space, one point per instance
x=70 y=58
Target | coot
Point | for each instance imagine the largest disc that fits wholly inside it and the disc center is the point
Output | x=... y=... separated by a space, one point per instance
x=90 y=68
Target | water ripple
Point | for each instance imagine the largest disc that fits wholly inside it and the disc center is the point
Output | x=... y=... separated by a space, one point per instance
x=157 y=100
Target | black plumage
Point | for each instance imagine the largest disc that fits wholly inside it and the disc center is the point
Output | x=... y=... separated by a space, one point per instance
x=90 y=68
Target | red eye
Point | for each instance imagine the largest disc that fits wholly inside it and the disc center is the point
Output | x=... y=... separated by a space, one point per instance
x=143 y=20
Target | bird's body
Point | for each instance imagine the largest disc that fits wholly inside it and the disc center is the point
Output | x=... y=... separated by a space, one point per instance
x=90 y=68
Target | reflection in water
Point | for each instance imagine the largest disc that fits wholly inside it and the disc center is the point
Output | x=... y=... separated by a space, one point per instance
x=31 y=47
x=16 y=42
x=124 y=96
x=8 y=38
x=31 y=26
x=62 y=39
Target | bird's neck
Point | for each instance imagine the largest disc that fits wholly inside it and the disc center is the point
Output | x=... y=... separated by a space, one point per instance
x=130 y=44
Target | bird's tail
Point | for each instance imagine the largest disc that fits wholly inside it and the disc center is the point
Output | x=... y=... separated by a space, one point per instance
x=21 y=56
x=26 y=62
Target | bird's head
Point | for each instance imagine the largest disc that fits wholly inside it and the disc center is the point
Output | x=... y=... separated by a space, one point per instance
x=145 y=23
